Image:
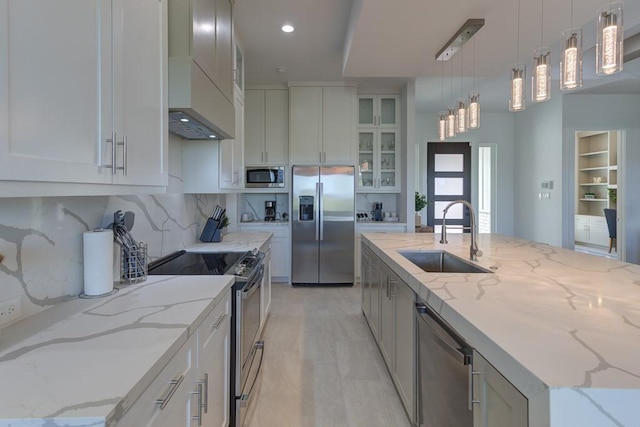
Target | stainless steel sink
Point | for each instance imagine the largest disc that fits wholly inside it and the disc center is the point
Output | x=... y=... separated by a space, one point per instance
x=441 y=262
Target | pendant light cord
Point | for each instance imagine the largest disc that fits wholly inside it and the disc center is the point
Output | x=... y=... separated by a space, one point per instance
x=571 y=13
x=541 y=23
x=473 y=68
x=518 y=36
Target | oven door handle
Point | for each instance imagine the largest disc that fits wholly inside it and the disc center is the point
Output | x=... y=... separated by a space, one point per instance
x=245 y=397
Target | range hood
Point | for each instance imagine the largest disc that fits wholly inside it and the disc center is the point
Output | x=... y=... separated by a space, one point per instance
x=197 y=108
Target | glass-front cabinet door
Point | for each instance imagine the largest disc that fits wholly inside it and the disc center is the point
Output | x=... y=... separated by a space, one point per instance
x=378 y=111
x=378 y=161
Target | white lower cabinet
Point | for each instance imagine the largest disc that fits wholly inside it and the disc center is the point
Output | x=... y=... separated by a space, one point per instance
x=193 y=388
x=166 y=401
x=499 y=403
x=591 y=230
x=210 y=403
x=280 y=247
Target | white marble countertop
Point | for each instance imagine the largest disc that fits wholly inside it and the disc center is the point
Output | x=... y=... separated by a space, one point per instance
x=91 y=358
x=233 y=242
x=562 y=326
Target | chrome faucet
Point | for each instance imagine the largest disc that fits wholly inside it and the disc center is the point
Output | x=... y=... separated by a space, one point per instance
x=474 y=252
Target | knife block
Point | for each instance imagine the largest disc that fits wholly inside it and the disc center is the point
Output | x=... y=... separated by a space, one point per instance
x=211 y=231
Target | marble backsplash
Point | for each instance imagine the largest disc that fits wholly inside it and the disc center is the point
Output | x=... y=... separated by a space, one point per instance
x=41 y=238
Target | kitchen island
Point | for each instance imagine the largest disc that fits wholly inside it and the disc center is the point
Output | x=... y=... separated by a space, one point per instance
x=563 y=327
x=86 y=361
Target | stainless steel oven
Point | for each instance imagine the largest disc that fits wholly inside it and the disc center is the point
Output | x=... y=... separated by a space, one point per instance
x=264 y=177
x=246 y=350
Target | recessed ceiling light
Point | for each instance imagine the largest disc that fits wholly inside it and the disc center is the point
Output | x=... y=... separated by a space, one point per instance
x=287 y=28
x=281 y=69
x=212 y=136
x=184 y=120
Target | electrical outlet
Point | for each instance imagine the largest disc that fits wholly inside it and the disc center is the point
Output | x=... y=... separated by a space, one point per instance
x=10 y=310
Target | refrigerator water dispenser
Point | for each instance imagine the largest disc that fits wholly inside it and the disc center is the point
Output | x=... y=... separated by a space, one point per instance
x=306 y=208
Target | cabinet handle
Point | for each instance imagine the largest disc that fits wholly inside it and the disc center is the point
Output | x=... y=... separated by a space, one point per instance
x=219 y=321
x=266 y=156
x=262 y=157
x=173 y=386
x=198 y=416
x=472 y=374
x=123 y=168
x=112 y=166
x=206 y=392
x=392 y=288
x=320 y=156
x=324 y=157
x=235 y=75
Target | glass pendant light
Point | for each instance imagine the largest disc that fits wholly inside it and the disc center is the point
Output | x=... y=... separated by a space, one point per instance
x=571 y=57
x=571 y=61
x=461 y=113
x=474 y=110
x=541 y=75
x=517 y=77
x=442 y=125
x=609 y=40
x=451 y=121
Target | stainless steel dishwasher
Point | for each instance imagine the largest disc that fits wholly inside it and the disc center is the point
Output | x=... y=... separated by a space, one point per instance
x=444 y=372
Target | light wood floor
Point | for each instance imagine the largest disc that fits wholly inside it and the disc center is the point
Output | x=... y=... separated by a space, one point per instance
x=321 y=365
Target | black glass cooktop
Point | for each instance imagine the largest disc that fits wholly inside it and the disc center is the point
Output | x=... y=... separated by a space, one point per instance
x=193 y=264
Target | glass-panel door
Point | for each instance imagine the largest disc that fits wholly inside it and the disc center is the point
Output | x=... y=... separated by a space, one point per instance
x=449 y=179
x=366 y=111
x=366 y=166
x=388 y=160
x=388 y=114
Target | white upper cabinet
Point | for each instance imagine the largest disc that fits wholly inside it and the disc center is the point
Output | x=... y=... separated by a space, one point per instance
x=232 y=152
x=322 y=125
x=267 y=126
x=379 y=111
x=140 y=94
x=73 y=74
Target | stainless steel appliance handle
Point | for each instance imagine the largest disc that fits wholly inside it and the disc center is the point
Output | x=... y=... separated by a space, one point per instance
x=424 y=315
x=321 y=217
x=173 y=386
x=317 y=210
x=250 y=290
x=245 y=397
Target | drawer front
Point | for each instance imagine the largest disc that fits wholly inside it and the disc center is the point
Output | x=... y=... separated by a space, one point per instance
x=172 y=386
x=212 y=323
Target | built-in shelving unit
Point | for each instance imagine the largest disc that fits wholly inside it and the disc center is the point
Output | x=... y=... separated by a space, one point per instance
x=596 y=175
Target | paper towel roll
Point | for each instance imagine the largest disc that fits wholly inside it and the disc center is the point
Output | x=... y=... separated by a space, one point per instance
x=98 y=262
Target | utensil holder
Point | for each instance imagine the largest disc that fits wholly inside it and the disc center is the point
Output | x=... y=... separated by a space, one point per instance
x=133 y=264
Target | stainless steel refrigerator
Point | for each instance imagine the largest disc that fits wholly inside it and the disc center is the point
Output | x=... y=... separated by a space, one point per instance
x=323 y=222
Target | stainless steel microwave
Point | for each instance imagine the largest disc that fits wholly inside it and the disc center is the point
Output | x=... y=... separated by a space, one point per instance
x=264 y=177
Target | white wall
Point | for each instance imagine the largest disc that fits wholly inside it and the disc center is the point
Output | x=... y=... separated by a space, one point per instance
x=606 y=112
x=496 y=128
x=538 y=157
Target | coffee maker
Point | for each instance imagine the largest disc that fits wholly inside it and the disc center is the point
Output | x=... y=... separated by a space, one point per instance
x=270 y=210
x=377 y=211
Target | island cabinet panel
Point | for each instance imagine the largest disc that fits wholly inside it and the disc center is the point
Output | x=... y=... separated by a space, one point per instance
x=498 y=402
x=388 y=305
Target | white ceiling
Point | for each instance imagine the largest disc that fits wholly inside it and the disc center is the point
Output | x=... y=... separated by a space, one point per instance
x=384 y=43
